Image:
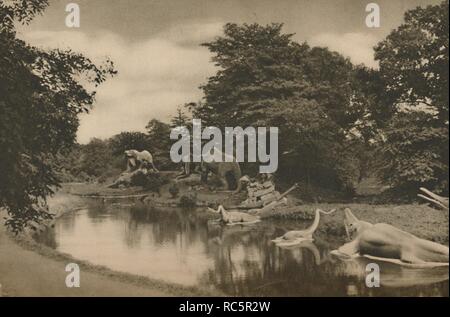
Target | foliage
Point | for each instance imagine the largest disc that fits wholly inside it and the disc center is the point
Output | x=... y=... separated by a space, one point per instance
x=414 y=64
x=174 y=190
x=181 y=119
x=158 y=135
x=41 y=94
x=150 y=181
x=96 y=157
x=415 y=154
x=266 y=79
x=188 y=201
x=128 y=141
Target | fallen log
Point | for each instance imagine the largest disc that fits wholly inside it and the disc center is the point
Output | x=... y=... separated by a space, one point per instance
x=434 y=198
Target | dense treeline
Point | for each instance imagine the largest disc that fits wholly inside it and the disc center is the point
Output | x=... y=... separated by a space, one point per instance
x=339 y=122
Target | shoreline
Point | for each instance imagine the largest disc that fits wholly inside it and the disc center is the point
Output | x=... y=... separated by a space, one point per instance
x=27 y=259
x=152 y=286
x=29 y=268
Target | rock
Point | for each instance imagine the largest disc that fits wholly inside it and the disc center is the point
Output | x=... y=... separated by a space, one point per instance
x=260 y=194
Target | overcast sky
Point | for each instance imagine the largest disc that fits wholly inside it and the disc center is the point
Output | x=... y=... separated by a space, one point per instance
x=155 y=45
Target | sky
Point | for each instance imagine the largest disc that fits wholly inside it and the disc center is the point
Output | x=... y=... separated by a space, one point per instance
x=155 y=45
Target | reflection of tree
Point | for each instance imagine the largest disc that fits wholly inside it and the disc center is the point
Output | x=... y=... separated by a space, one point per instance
x=133 y=232
x=67 y=221
x=169 y=225
x=47 y=237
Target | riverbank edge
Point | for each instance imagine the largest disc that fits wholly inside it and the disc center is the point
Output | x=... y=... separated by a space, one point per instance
x=27 y=243
x=420 y=220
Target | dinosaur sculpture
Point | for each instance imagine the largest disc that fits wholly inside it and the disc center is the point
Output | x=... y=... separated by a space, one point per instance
x=229 y=173
x=385 y=242
x=296 y=236
x=137 y=163
x=139 y=159
x=242 y=184
x=235 y=217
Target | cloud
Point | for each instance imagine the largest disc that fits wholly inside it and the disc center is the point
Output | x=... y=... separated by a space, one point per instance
x=155 y=75
x=357 y=46
x=193 y=33
x=161 y=72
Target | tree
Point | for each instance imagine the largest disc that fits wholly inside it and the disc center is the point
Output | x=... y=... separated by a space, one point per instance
x=129 y=141
x=96 y=157
x=266 y=79
x=412 y=154
x=158 y=134
x=414 y=65
x=180 y=119
x=41 y=94
x=370 y=109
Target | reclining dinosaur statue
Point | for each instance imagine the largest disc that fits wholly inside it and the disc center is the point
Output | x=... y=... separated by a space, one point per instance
x=385 y=242
x=297 y=236
x=235 y=217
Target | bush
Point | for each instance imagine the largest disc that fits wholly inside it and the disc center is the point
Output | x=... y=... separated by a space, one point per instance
x=150 y=181
x=174 y=190
x=414 y=154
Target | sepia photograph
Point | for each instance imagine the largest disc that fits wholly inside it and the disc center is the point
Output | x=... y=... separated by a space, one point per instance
x=199 y=149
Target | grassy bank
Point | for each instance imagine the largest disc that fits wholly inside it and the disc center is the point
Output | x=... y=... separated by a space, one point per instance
x=418 y=219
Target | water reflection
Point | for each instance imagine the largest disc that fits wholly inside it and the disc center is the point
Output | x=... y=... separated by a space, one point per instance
x=186 y=247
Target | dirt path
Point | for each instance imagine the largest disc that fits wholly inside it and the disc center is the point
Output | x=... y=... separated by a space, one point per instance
x=26 y=273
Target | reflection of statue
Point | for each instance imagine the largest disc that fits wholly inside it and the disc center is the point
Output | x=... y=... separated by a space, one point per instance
x=138 y=160
x=297 y=236
x=394 y=275
x=235 y=217
x=310 y=246
x=386 y=242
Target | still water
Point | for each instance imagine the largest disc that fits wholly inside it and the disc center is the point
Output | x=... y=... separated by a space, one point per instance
x=188 y=248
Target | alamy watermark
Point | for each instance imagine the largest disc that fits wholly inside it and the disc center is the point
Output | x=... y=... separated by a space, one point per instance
x=373 y=18
x=262 y=145
x=73 y=18
x=373 y=276
x=73 y=278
